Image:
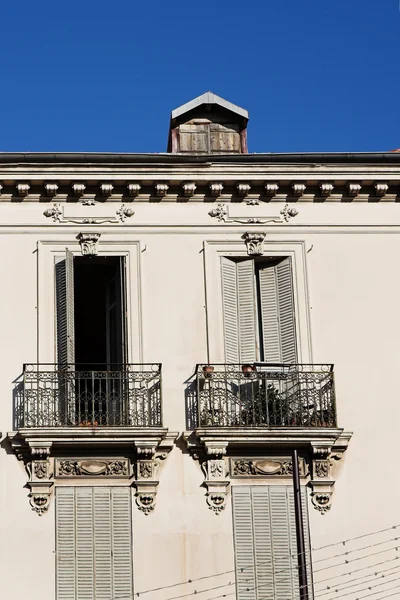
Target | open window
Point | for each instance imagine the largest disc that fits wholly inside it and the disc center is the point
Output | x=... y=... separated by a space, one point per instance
x=92 y=340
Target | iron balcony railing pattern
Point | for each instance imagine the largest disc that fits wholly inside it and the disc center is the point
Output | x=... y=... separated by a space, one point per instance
x=76 y=396
x=265 y=395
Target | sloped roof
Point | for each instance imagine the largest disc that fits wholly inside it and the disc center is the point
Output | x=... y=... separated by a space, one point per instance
x=209 y=98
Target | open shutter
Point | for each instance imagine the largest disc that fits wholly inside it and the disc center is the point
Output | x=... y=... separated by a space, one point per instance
x=94 y=548
x=65 y=567
x=286 y=311
x=239 y=310
x=265 y=542
x=65 y=310
x=277 y=312
x=230 y=310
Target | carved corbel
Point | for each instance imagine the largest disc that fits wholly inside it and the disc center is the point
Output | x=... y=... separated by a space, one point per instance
x=321 y=483
x=326 y=189
x=106 y=189
x=189 y=189
x=149 y=455
x=298 y=189
x=23 y=189
x=134 y=189
x=51 y=189
x=40 y=472
x=353 y=189
x=216 y=476
x=78 y=189
x=89 y=243
x=381 y=189
x=216 y=189
x=161 y=189
x=254 y=242
x=271 y=189
x=243 y=189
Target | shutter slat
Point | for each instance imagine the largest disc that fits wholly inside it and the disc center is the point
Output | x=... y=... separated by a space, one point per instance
x=102 y=543
x=65 y=539
x=286 y=311
x=246 y=311
x=271 y=342
x=262 y=542
x=244 y=543
x=230 y=310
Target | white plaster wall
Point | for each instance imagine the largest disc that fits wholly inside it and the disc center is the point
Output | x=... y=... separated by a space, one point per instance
x=352 y=256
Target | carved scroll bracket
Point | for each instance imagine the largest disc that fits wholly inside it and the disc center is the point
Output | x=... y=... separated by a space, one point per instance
x=150 y=453
x=40 y=471
x=216 y=476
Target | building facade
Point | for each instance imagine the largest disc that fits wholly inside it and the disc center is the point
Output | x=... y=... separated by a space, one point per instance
x=173 y=326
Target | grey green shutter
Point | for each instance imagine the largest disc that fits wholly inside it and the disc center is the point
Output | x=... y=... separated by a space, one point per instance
x=65 y=309
x=265 y=542
x=277 y=312
x=239 y=310
x=94 y=549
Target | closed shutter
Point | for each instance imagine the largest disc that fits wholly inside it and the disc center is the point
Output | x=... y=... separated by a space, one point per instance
x=277 y=312
x=239 y=310
x=94 y=549
x=65 y=309
x=265 y=542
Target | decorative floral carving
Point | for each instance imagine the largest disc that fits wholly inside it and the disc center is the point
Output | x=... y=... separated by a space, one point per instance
x=88 y=202
x=68 y=467
x=117 y=467
x=134 y=189
x=220 y=212
x=124 y=212
x=89 y=243
x=40 y=469
x=216 y=468
x=321 y=468
x=322 y=501
x=146 y=502
x=264 y=467
x=288 y=212
x=253 y=201
x=243 y=467
x=146 y=469
x=216 y=189
x=55 y=212
x=39 y=502
x=254 y=243
x=216 y=502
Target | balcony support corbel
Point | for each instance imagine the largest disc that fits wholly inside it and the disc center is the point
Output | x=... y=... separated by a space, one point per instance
x=215 y=475
x=40 y=470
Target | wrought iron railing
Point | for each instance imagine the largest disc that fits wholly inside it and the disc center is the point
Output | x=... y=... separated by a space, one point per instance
x=265 y=395
x=76 y=396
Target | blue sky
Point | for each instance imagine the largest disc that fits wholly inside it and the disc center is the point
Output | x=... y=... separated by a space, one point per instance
x=315 y=75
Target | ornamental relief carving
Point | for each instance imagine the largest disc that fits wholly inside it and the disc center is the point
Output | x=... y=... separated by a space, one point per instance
x=92 y=468
x=265 y=467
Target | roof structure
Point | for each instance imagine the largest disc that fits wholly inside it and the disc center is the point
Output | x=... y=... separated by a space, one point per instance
x=209 y=98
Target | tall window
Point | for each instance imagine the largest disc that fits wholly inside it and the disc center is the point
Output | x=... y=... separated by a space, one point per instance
x=258 y=310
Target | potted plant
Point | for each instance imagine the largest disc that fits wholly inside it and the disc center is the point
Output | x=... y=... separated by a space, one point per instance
x=248 y=370
x=208 y=370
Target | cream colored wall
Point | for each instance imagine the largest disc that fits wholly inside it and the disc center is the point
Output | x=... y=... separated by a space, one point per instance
x=351 y=257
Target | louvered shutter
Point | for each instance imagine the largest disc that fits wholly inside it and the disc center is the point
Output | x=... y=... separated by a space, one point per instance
x=239 y=310
x=65 y=309
x=277 y=312
x=286 y=311
x=121 y=544
x=265 y=542
x=230 y=310
x=247 y=311
x=94 y=548
x=65 y=564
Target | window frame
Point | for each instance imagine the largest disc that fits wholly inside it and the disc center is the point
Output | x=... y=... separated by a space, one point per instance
x=48 y=253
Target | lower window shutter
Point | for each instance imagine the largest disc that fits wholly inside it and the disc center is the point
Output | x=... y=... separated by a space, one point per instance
x=65 y=566
x=265 y=542
x=94 y=548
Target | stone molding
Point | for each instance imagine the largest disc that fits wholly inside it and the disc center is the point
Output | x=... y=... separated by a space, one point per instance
x=319 y=447
x=43 y=452
x=89 y=243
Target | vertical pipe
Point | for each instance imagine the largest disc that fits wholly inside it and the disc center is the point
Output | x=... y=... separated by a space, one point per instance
x=301 y=550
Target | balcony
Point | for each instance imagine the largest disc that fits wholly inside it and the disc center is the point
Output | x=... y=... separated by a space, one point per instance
x=76 y=396
x=265 y=395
